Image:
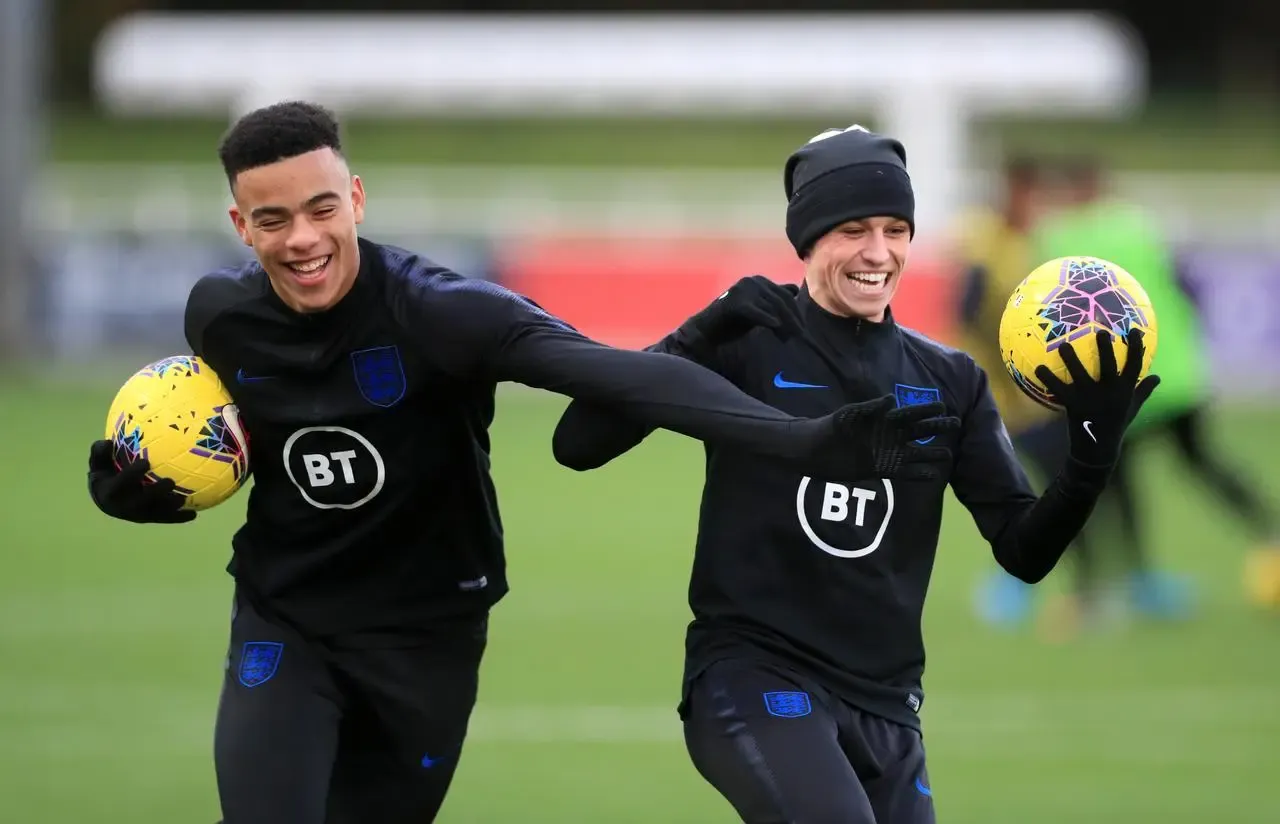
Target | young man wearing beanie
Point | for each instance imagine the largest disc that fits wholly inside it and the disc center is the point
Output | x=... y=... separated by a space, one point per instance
x=802 y=682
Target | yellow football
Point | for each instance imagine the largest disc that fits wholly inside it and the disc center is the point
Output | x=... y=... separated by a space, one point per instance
x=1072 y=299
x=177 y=414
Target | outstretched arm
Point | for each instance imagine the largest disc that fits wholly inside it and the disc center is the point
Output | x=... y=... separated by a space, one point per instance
x=478 y=328
x=647 y=390
x=1028 y=535
x=590 y=435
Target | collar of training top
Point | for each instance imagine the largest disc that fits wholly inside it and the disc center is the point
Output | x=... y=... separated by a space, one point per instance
x=858 y=328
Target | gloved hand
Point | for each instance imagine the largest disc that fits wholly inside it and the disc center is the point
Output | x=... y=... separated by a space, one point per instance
x=1099 y=411
x=751 y=302
x=873 y=439
x=123 y=494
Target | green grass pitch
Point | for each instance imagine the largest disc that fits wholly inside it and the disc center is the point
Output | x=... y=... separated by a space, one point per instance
x=112 y=639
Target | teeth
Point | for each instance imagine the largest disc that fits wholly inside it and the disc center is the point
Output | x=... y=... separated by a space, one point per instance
x=870 y=278
x=310 y=266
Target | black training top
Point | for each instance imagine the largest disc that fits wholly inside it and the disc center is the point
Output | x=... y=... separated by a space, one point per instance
x=828 y=574
x=372 y=508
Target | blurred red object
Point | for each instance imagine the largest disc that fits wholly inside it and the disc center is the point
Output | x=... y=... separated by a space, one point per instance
x=632 y=292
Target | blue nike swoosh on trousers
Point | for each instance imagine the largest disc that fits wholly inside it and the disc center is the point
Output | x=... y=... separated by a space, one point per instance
x=783 y=383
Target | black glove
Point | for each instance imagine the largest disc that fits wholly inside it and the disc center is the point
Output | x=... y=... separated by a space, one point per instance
x=1099 y=411
x=873 y=439
x=122 y=493
x=751 y=302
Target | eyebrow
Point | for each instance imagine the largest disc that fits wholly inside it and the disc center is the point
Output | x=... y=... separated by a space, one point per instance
x=264 y=211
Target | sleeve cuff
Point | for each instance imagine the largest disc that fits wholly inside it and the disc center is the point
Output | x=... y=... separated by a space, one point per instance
x=1077 y=476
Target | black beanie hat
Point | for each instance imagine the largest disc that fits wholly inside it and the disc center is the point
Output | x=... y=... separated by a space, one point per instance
x=842 y=175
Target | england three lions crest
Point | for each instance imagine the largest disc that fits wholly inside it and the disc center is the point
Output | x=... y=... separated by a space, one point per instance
x=788 y=704
x=379 y=375
x=259 y=661
x=907 y=395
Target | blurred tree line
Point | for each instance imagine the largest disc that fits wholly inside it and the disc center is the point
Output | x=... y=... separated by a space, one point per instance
x=1228 y=49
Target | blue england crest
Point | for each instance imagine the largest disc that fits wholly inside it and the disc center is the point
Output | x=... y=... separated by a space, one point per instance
x=379 y=375
x=915 y=396
x=259 y=661
x=788 y=704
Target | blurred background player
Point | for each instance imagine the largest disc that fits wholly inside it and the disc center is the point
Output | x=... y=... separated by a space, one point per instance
x=993 y=249
x=1093 y=220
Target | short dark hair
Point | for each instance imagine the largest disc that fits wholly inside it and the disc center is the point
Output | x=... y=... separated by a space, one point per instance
x=277 y=132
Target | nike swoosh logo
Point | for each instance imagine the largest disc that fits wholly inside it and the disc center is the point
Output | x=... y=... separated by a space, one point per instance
x=1088 y=429
x=923 y=788
x=783 y=383
x=242 y=377
x=428 y=762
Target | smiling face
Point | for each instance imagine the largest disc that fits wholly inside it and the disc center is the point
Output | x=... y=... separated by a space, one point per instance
x=300 y=215
x=853 y=270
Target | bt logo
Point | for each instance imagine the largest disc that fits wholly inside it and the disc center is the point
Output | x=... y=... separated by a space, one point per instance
x=851 y=511
x=333 y=467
